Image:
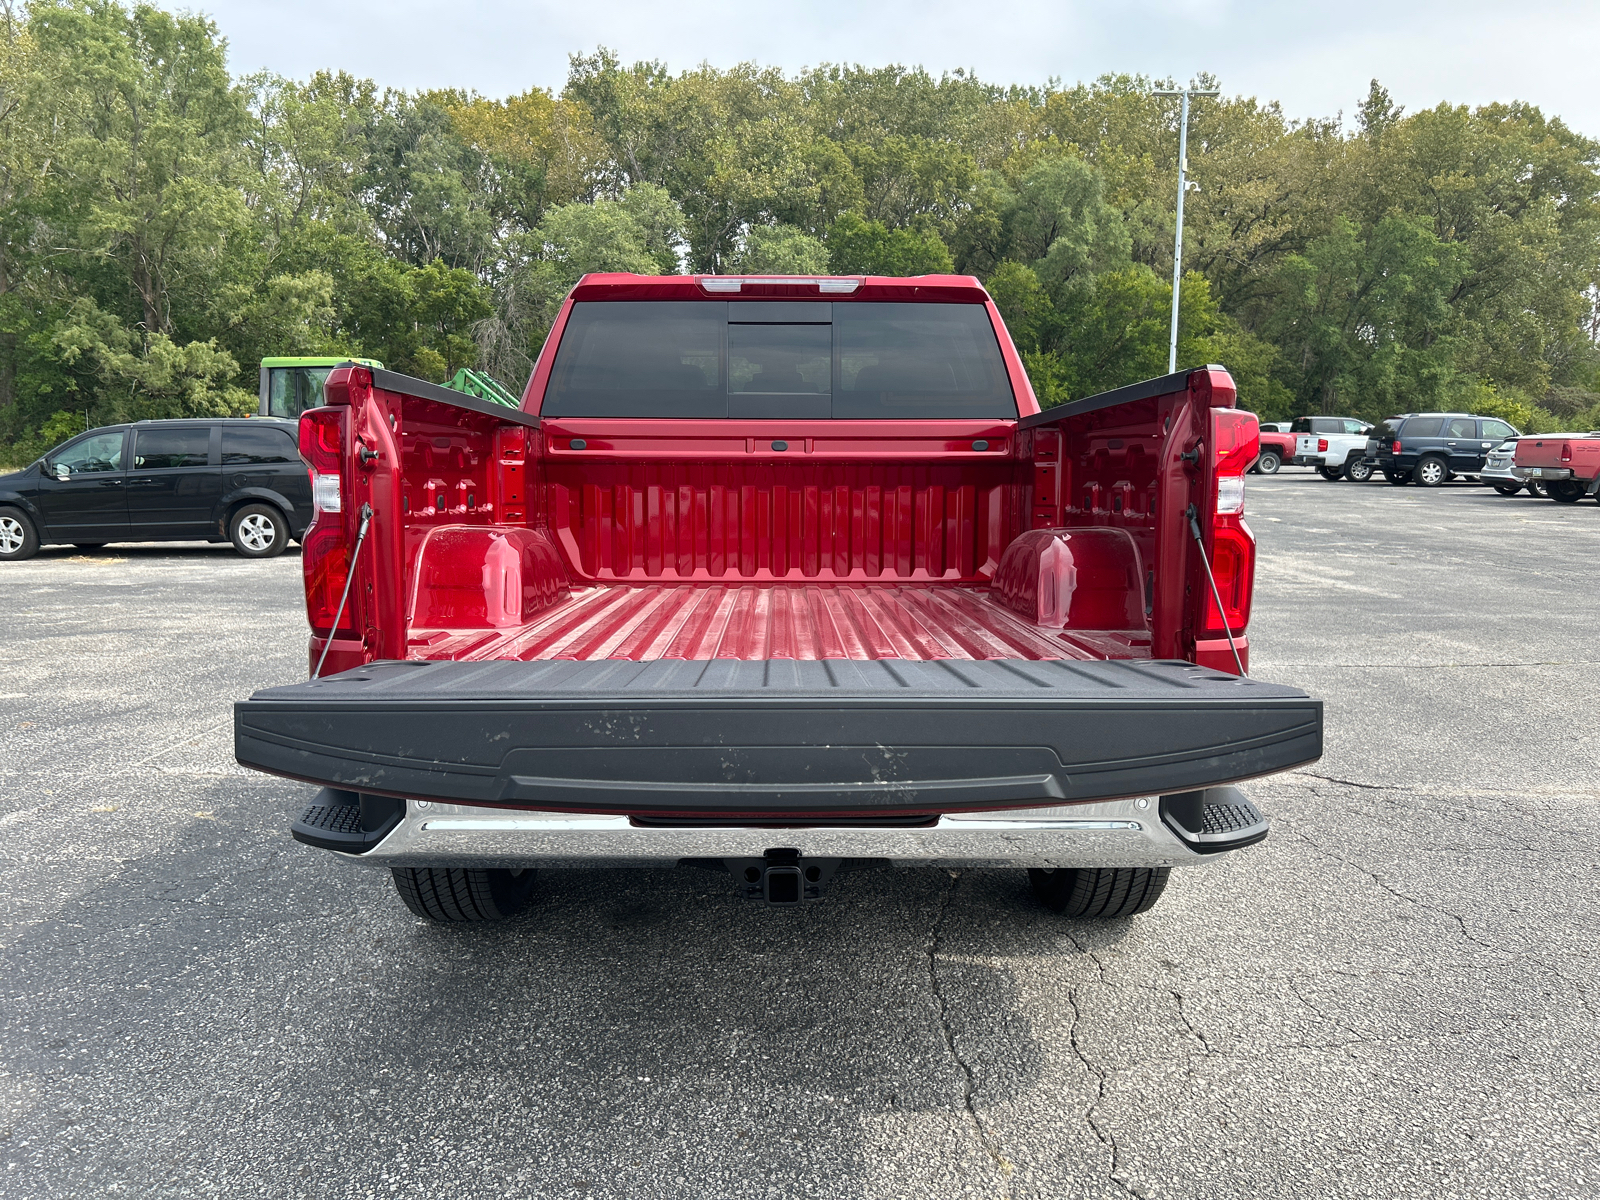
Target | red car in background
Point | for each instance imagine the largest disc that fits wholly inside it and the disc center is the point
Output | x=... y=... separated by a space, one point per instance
x=1277 y=448
x=1567 y=464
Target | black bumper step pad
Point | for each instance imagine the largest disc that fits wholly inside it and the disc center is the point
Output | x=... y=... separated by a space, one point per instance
x=735 y=739
x=341 y=820
x=1214 y=820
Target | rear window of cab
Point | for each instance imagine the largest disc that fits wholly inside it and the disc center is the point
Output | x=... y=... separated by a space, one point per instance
x=778 y=359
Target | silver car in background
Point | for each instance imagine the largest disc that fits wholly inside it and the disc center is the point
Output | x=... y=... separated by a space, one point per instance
x=1503 y=476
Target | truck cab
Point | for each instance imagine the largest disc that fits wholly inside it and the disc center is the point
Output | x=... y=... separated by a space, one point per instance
x=289 y=386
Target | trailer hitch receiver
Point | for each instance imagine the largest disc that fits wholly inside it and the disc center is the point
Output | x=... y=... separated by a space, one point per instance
x=782 y=877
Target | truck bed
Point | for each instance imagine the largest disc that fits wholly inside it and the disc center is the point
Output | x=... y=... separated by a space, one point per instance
x=1565 y=455
x=729 y=739
x=706 y=621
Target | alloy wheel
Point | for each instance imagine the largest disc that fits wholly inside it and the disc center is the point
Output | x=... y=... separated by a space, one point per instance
x=12 y=535
x=257 y=532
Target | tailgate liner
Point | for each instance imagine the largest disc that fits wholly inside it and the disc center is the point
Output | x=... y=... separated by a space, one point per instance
x=725 y=738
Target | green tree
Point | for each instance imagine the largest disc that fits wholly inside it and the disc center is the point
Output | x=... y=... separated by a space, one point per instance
x=289 y=314
x=728 y=146
x=640 y=233
x=150 y=171
x=418 y=320
x=428 y=190
x=149 y=377
x=1366 y=319
x=1058 y=220
x=858 y=247
x=781 y=250
x=161 y=220
x=1114 y=329
x=307 y=150
x=35 y=115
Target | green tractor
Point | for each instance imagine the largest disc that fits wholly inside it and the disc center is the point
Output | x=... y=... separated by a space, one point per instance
x=289 y=386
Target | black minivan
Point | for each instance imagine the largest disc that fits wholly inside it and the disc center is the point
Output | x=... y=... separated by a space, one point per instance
x=1431 y=447
x=238 y=479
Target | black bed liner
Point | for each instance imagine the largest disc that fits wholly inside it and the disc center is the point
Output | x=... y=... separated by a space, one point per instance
x=727 y=737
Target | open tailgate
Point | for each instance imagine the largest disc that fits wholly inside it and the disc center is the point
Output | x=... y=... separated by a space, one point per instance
x=725 y=738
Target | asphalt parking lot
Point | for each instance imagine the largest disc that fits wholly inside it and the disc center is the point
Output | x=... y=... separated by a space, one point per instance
x=1395 y=995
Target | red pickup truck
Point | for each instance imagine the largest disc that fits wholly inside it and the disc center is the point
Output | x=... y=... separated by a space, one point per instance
x=1277 y=448
x=780 y=577
x=1566 y=464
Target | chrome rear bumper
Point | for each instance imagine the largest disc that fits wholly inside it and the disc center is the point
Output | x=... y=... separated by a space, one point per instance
x=1118 y=833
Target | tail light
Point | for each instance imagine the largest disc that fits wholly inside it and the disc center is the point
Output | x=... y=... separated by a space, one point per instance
x=325 y=554
x=1233 y=562
x=1235 y=444
x=1566 y=452
x=1397 y=445
x=321 y=447
x=1322 y=445
x=1236 y=441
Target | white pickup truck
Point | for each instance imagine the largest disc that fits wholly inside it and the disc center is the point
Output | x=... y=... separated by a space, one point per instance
x=1335 y=446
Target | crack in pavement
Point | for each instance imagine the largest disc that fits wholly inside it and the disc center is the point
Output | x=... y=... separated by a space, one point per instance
x=1356 y=1038
x=1194 y=1031
x=1209 y=1051
x=969 y=1080
x=1460 y=921
x=1458 y=794
x=1370 y=787
x=1105 y=1138
x=1393 y=891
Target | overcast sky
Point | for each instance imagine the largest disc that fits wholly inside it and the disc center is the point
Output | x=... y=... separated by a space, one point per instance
x=1316 y=59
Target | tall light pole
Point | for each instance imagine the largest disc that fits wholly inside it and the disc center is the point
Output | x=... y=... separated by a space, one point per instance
x=1177 y=241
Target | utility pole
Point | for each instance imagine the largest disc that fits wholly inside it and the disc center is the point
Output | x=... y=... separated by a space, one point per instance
x=1177 y=241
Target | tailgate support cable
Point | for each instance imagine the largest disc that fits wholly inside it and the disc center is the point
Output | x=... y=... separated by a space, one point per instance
x=1194 y=528
x=350 y=576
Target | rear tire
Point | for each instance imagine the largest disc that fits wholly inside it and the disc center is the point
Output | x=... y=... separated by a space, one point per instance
x=1358 y=471
x=18 y=538
x=1099 y=892
x=1331 y=474
x=1397 y=477
x=259 y=531
x=1268 y=463
x=1535 y=488
x=1431 y=471
x=1507 y=489
x=456 y=895
x=1564 y=490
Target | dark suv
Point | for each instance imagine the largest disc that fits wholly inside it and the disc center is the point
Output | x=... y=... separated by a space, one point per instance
x=238 y=479
x=1433 y=447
